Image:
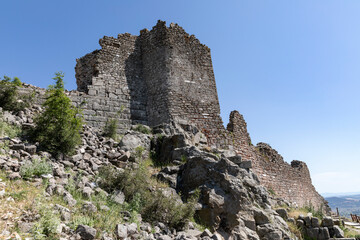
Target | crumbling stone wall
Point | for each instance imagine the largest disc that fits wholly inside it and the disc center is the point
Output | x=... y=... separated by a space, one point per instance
x=289 y=181
x=166 y=75
x=160 y=76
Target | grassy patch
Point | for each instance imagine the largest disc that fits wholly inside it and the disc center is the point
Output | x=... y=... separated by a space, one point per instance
x=295 y=230
x=46 y=226
x=9 y=130
x=141 y=128
x=145 y=196
x=24 y=195
x=36 y=168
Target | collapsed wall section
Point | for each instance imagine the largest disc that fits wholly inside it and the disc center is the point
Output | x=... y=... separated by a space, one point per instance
x=110 y=83
x=289 y=181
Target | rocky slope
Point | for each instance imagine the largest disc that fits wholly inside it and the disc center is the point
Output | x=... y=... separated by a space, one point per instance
x=96 y=193
x=231 y=202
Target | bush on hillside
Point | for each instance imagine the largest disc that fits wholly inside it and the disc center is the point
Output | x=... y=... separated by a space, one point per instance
x=58 y=126
x=8 y=94
x=9 y=97
x=9 y=130
x=16 y=81
x=36 y=168
x=146 y=199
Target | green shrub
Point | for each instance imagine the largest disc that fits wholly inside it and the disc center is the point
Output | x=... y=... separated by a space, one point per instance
x=139 y=153
x=9 y=97
x=141 y=128
x=45 y=227
x=149 y=201
x=58 y=127
x=16 y=81
x=6 y=79
x=316 y=213
x=160 y=208
x=9 y=130
x=35 y=169
x=110 y=128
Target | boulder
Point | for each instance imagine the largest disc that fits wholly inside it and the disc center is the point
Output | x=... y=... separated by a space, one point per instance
x=19 y=146
x=228 y=196
x=30 y=149
x=336 y=232
x=118 y=197
x=69 y=199
x=77 y=157
x=327 y=222
x=260 y=217
x=132 y=140
x=89 y=207
x=86 y=232
x=315 y=222
x=121 y=231
x=87 y=192
x=282 y=212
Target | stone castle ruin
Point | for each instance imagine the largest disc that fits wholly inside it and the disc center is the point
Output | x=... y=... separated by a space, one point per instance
x=165 y=75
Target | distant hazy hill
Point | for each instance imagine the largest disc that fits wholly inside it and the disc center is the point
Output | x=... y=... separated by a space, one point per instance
x=346 y=204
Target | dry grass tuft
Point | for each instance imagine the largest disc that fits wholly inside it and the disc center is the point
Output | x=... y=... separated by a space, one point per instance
x=18 y=199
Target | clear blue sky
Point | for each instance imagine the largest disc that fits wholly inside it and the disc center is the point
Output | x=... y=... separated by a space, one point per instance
x=292 y=68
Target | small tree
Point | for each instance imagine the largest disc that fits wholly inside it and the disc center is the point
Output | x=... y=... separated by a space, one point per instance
x=58 y=127
x=8 y=94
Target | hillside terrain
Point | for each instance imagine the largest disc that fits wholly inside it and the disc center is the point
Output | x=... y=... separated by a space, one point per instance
x=346 y=204
x=140 y=152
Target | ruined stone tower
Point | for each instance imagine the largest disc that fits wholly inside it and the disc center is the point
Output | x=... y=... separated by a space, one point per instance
x=166 y=75
x=160 y=76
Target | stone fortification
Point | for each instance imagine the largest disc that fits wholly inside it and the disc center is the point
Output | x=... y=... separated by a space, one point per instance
x=289 y=181
x=165 y=75
x=160 y=76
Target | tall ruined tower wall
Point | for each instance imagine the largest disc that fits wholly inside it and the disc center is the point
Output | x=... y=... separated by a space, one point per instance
x=160 y=76
x=166 y=75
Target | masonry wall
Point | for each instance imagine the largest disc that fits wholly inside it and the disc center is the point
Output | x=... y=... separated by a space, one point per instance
x=289 y=181
x=110 y=83
x=160 y=76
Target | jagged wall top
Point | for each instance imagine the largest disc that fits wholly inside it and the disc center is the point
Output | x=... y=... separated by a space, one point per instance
x=161 y=75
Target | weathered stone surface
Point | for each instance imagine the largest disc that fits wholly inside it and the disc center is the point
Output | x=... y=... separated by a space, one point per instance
x=86 y=232
x=327 y=222
x=315 y=222
x=228 y=197
x=121 y=231
x=118 y=197
x=338 y=232
x=283 y=213
x=30 y=149
x=69 y=199
x=19 y=146
x=89 y=207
